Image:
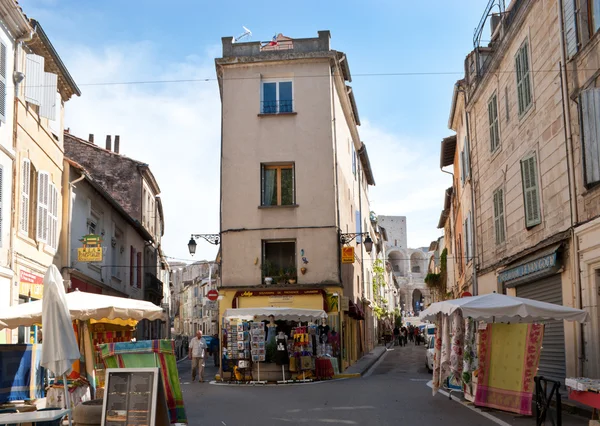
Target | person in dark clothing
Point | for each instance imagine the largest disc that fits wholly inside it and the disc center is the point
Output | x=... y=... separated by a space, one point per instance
x=396 y=336
x=411 y=332
x=214 y=349
x=417 y=337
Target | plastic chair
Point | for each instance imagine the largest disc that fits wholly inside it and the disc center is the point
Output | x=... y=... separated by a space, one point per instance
x=9 y=411
x=57 y=422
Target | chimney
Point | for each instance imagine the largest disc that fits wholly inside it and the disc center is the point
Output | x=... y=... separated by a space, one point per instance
x=108 y=142
x=91 y=138
x=117 y=143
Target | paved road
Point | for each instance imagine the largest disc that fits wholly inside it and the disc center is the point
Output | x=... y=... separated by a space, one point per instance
x=395 y=393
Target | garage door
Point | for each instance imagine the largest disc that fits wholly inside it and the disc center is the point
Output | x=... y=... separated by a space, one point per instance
x=552 y=359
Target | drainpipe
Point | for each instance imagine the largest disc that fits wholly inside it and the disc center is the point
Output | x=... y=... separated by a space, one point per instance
x=472 y=184
x=575 y=265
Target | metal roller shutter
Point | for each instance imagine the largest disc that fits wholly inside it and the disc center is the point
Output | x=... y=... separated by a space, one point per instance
x=552 y=359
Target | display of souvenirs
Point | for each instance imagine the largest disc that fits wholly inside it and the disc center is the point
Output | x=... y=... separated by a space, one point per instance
x=257 y=331
x=583 y=384
x=237 y=338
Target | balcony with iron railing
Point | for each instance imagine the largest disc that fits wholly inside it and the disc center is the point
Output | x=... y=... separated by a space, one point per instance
x=153 y=284
x=277 y=107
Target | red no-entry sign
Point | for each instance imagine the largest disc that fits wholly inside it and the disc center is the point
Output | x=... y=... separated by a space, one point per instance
x=212 y=295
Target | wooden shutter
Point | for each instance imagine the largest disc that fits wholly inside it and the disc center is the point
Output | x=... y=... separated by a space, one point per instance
x=42 y=207
x=467 y=154
x=590 y=112
x=531 y=197
x=570 y=22
x=499 y=216
x=48 y=105
x=466 y=239
x=131 y=265
x=34 y=79
x=25 y=188
x=358 y=226
x=139 y=269
x=3 y=91
x=1 y=200
x=471 y=248
x=462 y=167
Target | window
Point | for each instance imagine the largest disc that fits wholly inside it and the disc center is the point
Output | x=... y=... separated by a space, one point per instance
x=139 y=269
x=1 y=200
x=117 y=250
x=276 y=97
x=493 y=123
x=590 y=115
x=41 y=87
x=467 y=160
x=279 y=256
x=462 y=167
x=25 y=191
x=499 y=215
x=53 y=217
x=278 y=185
x=531 y=196
x=131 y=266
x=3 y=69
x=353 y=161
x=92 y=223
x=506 y=102
x=594 y=7
x=468 y=233
x=43 y=198
x=523 y=78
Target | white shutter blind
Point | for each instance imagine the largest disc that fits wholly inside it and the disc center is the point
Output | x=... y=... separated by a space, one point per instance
x=25 y=188
x=42 y=207
x=570 y=26
x=3 y=71
x=590 y=111
x=530 y=191
x=52 y=216
x=358 y=227
x=48 y=106
x=34 y=79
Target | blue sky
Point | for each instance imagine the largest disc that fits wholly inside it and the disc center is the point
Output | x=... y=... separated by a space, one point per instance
x=175 y=127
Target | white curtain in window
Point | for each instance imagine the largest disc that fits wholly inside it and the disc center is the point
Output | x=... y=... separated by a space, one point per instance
x=270 y=182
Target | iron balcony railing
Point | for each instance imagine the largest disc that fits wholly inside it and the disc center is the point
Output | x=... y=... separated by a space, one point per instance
x=277 y=107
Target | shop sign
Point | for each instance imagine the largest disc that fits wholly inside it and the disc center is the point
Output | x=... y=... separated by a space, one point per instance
x=347 y=254
x=254 y=293
x=535 y=266
x=91 y=250
x=281 y=299
x=211 y=305
x=332 y=303
x=31 y=285
x=345 y=304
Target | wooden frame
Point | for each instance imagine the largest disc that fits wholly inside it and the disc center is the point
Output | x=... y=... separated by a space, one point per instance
x=278 y=168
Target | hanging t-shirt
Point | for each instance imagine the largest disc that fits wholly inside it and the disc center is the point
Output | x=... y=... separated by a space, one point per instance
x=281 y=354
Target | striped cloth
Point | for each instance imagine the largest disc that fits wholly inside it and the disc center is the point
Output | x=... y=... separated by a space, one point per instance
x=21 y=375
x=150 y=353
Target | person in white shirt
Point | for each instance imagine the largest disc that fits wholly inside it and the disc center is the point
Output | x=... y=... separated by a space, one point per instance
x=197 y=352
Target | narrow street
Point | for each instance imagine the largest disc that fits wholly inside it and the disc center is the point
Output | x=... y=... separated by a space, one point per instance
x=395 y=392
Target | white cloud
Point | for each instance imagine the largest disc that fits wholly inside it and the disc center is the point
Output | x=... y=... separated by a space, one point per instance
x=408 y=181
x=175 y=127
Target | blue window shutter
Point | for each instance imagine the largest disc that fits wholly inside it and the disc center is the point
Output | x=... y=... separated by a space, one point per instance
x=358 y=227
x=570 y=22
x=590 y=112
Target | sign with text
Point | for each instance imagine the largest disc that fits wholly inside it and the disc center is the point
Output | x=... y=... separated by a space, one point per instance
x=31 y=284
x=281 y=299
x=348 y=254
x=89 y=254
x=212 y=295
x=211 y=305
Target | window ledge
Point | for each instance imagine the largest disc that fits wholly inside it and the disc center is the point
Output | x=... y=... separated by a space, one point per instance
x=289 y=206
x=276 y=114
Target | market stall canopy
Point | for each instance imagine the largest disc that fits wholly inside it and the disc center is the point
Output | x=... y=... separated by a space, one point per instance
x=84 y=306
x=496 y=307
x=279 y=314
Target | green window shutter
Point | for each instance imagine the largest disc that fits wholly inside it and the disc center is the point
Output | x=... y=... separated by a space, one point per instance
x=499 y=215
x=519 y=82
x=530 y=191
x=526 y=77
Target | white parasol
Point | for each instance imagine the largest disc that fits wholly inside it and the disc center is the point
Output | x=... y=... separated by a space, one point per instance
x=60 y=347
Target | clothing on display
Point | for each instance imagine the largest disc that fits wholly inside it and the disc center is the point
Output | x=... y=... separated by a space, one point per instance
x=281 y=354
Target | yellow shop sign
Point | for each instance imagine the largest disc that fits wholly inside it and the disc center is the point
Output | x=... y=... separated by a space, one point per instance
x=89 y=254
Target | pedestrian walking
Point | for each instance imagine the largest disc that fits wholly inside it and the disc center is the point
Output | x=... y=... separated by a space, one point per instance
x=411 y=332
x=417 y=337
x=396 y=336
x=214 y=349
x=197 y=353
x=403 y=336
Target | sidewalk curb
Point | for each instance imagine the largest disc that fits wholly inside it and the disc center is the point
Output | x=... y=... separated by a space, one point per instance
x=368 y=366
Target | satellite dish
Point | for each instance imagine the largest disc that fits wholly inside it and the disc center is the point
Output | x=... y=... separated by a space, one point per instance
x=247 y=33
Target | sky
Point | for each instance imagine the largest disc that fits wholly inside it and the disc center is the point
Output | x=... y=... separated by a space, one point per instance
x=404 y=58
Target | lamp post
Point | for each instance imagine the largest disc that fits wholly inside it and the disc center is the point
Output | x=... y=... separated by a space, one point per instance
x=211 y=238
x=368 y=242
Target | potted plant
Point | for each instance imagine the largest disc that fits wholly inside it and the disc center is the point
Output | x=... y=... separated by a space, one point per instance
x=267 y=272
x=290 y=274
x=281 y=276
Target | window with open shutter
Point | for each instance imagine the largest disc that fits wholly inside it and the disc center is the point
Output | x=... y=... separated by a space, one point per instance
x=25 y=187
x=590 y=114
x=34 y=79
x=53 y=217
x=139 y=269
x=531 y=193
x=523 y=78
x=467 y=160
x=48 y=102
x=358 y=224
x=3 y=72
x=42 y=206
x=493 y=123
x=131 y=266
x=461 y=166
x=1 y=201
x=499 y=216
x=570 y=23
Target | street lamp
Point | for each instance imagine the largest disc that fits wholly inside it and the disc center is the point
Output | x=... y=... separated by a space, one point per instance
x=211 y=238
x=368 y=242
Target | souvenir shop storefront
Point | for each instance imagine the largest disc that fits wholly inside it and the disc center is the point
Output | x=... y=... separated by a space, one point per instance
x=309 y=320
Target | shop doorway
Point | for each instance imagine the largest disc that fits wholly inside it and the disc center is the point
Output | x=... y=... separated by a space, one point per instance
x=417 y=301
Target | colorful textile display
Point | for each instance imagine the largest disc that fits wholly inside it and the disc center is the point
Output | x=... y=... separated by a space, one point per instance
x=509 y=355
x=323 y=368
x=457 y=346
x=150 y=353
x=437 y=354
x=22 y=376
x=469 y=355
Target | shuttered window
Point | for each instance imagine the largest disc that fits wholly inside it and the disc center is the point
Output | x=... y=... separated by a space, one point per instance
x=25 y=192
x=461 y=166
x=493 y=123
x=131 y=266
x=531 y=192
x=467 y=160
x=43 y=198
x=48 y=106
x=34 y=79
x=53 y=217
x=590 y=113
x=522 y=69
x=3 y=72
x=139 y=269
x=570 y=22
x=468 y=233
x=358 y=224
x=499 y=215
x=1 y=202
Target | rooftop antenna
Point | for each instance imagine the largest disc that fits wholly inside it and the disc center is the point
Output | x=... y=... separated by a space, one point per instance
x=247 y=33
